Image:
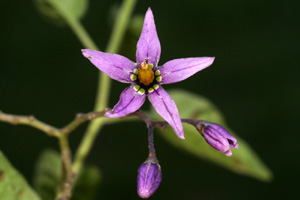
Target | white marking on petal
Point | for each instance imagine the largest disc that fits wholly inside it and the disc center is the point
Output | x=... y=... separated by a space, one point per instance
x=136 y=71
x=133 y=77
x=159 y=78
x=157 y=72
x=150 y=90
x=136 y=88
x=141 y=91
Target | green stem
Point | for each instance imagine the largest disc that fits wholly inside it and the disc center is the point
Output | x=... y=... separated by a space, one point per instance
x=113 y=46
x=64 y=191
x=104 y=85
x=104 y=81
x=74 y=23
x=81 y=33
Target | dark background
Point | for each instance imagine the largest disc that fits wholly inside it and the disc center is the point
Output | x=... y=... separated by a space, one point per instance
x=254 y=82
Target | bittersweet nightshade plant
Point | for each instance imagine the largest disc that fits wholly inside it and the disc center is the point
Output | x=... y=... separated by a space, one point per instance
x=146 y=77
x=218 y=138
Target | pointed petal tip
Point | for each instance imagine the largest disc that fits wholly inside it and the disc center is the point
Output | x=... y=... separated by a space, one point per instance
x=228 y=153
x=210 y=60
x=149 y=11
x=85 y=52
x=149 y=15
x=112 y=114
x=144 y=194
x=109 y=114
x=148 y=45
x=181 y=135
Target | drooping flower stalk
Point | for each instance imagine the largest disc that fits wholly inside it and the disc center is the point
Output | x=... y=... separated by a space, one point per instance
x=150 y=142
x=149 y=173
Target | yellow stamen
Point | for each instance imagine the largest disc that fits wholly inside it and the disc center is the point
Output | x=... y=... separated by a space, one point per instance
x=144 y=66
x=146 y=74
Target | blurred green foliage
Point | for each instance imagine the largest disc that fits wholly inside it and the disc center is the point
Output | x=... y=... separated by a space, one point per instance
x=48 y=178
x=51 y=9
x=12 y=184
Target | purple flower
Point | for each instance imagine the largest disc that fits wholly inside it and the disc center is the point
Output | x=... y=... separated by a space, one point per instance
x=146 y=77
x=149 y=178
x=218 y=138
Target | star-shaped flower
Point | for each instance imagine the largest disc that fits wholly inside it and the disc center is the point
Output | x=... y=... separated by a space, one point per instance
x=146 y=77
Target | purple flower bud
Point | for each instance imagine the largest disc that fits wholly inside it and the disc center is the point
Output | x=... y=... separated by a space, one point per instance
x=149 y=178
x=218 y=138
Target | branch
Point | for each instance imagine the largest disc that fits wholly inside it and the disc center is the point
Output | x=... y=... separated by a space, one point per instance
x=46 y=128
x=162 y=124
x=80 y=118
x=62 y=134
x=30 y=121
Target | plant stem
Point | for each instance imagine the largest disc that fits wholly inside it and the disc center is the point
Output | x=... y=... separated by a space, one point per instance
x=104 y=82
x=74 y=24
x=113 y=46
x=150 y=142
x=104 y=85
x=66 y=187
x=30 y=121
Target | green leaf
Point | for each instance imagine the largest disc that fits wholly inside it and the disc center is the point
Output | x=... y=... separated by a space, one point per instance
x=48 y=178
x=243 y=161
x=55 y=9
x=87 y=184
x=13 y=186
x=47 y=174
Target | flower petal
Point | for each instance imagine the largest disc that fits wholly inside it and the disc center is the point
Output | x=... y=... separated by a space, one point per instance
x=115 y=66
x=180 y=69
x=148 y=45
x=232 y=140
x=215 y=139
x=130 y=101
x=166 y=107
x=149 y=178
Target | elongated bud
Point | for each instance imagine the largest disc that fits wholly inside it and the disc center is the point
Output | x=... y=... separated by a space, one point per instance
x=218 y=138
x=149 y=177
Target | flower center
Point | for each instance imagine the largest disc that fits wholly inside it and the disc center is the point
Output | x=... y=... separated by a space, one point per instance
x=146 y=74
